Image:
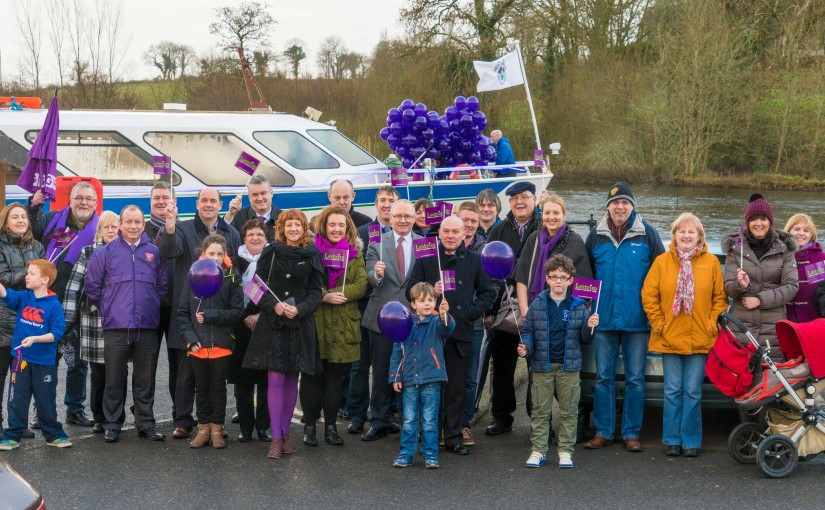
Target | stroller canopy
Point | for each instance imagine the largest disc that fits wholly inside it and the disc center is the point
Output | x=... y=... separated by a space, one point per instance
x=808 y=339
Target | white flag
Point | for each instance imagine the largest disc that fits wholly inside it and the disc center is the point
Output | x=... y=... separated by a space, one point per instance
x=499 y=74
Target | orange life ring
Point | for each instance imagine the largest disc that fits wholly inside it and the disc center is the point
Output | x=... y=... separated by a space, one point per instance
x=473 y=173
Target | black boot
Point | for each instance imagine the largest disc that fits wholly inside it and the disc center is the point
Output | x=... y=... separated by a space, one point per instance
x=332 y=436
x=309 y=435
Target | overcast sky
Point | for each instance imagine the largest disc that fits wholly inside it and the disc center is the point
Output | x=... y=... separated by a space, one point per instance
x=359 y=23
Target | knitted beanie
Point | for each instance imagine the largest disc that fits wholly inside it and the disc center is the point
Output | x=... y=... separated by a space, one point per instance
x=758 y=206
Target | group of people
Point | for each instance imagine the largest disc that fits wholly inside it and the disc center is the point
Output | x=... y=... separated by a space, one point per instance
x=107 y=289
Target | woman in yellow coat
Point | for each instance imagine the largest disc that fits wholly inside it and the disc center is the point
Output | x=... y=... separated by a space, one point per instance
x=682 y=296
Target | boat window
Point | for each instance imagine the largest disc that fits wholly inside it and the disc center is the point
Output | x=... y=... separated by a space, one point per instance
x=211 y=157
x=296 y=150
x=342 y=146
x=14 y=157
x=107 y=155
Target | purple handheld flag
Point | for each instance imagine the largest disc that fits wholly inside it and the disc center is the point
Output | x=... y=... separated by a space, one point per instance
x=446 y=207
x=255 y=289
x=538 y=159
x=162 y=165
x=449 y=280
x=425 y=247
x=335 y=259
x=433 y=215
x=815 y=272
x=398 y=177
x=374 y=233
x=586 y=289
x=247 y=163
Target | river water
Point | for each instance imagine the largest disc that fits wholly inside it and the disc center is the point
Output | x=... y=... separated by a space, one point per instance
x=720 y=210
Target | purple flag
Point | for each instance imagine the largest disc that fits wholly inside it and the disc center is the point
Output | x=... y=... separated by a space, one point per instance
x=398 y=177
x=449 y=280
x=62 y=238
x=374 y=233
x=335 y=259
x=17 y=364
x=815 y=272
x=162 y=165
x=255 y=289
x=40 y=171
x=433 y=215
x=425 y=247
x=538 y=158
x=586 y=289
x=247 y=163
x=446 y=207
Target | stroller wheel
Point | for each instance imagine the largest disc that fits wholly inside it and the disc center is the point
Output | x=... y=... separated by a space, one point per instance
x=744 y=440
x=776 y=456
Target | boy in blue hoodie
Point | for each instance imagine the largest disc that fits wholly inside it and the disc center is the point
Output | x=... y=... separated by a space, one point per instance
x=554 y=329
x=40 y=324
x=417 y=366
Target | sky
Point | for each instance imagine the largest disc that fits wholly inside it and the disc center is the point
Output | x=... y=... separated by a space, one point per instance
x=359 y=23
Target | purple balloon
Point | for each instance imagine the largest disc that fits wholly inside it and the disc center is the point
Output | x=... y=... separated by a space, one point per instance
x=396 y=129
x=407 y=104
x=420 y=122
x=442 y=145
x=478 y=118
x=384 y=133
x=466 y=146
x=409 y=140
x=394 y=115
x=420 y=109
x=417 y=151
x=395 y=321
x=460 y=102
x=490 y=153
x=427 y=134
x=472 y=103
x=407 y=162
x=466 y=121
x=408 y=116
x=498 y=259
x=458 y=157
x=205 y=278
x=451 y=112
x=475 y=157
x=402 y=151
x=455 y=125
x=432 y=153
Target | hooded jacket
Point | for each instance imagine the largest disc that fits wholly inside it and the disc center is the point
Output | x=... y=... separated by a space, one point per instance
x=803 y=308
x=773 y=279
x=504 y=153
x=693 y=333
x=421 y=360
x=536 y=334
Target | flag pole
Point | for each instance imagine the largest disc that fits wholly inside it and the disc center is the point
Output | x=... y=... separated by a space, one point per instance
x=532 y=111
x=441 y=273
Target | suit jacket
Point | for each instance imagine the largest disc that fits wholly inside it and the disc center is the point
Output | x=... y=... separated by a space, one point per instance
x=389 y=288
x=246 y=213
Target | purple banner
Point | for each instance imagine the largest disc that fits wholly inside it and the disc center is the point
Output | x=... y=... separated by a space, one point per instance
x=538 y=157
x=449 y=280
x=335 y=259
x=62 y=238
x=255 y=289
x=815 y=273
x=398 y=177
x=17 y=364
x=425 y=247
x=433 y=215
x=586 y=289
x=247 y=163
x=374 y=233
x=446 y=206
x=162 y=165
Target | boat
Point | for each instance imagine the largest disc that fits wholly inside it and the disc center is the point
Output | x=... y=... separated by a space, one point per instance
x=300 y=157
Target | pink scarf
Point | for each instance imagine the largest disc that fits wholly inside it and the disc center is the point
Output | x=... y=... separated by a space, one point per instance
x=323 y=244
x=684 y=286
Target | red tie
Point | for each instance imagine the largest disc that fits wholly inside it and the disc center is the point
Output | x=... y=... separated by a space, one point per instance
x=399 y=256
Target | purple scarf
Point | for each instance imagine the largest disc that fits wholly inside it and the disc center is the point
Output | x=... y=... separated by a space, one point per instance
x=323 y=244
x=85 y=237
x=548 y=244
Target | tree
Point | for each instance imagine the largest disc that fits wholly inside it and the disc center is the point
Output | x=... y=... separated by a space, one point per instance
x=245 y=26
x=28 y=23
x=170 y=58
x=354 y=63
x=331 y=58
x=261 y=60
x=294 y=55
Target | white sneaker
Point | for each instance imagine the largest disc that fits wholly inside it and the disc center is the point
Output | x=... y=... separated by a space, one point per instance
x=536 y=460
x=565 y=460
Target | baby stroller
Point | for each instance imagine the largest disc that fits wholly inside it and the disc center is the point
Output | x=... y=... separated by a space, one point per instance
x=795 y=423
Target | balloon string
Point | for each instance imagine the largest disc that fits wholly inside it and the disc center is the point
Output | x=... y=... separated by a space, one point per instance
x=403 y=355
x=198 y=309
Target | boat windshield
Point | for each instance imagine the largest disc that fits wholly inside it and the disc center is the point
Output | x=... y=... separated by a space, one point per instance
x=342 y=146
x=296 y=150
x=211 y=157
x=14 y=157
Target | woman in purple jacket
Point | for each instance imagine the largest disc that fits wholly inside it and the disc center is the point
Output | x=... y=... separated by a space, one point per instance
x=810 y=264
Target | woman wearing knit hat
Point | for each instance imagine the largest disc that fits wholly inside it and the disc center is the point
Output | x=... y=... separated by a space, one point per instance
x=760 y=273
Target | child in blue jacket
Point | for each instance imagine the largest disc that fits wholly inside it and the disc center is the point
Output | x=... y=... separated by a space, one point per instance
x=417 y=366
x=40 y=324
x=554 y=329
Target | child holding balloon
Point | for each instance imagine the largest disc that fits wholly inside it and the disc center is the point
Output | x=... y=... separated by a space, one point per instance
x=207 y=318
x=417 y=368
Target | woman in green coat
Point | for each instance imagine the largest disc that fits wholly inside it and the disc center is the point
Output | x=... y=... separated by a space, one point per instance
x=337 y=320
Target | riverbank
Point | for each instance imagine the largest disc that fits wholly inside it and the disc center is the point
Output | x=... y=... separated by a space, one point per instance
x=727 y=181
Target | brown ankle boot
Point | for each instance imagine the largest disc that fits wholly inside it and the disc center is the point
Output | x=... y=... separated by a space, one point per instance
x=287 y=447
x=275 y=449
x=201 y=438
x=216 y=435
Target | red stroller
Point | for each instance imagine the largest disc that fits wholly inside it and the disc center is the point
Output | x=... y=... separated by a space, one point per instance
x=795 y=424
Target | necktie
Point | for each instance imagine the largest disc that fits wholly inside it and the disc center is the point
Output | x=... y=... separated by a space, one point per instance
x=399 y=256
x=262 y=218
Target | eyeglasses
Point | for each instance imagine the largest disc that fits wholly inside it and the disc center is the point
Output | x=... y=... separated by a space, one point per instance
x=558 y=278
x=407 y=217
x=84 y=199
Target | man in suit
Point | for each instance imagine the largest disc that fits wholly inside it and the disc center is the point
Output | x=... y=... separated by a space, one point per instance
x=260 y=199
x=388 y=264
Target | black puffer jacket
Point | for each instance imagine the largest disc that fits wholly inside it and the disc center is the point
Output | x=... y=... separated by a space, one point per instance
x=14 y=259
x=221 y=313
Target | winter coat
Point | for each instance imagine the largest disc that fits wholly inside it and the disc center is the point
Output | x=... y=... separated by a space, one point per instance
x=507 y=232
x=185 y=247
x=221 y=313
x=247 y=213
x=504 y=153
x=535 y=334
x=692 y=333
x=279 y=343
x=78 y=309
x=571 y=245
x=803 y=308
x=773 y=279
x=14 y=261
x=474 y=292
x=622 y=268
x=421 y=359
x=127 y=285
x=155 y=232
x=339 y=326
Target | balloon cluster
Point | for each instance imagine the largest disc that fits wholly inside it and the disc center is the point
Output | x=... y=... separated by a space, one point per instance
x=412 y=130
x=453 y=139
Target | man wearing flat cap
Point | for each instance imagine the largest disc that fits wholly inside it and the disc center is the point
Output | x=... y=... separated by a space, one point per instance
x=521 y=221
x=622 y=248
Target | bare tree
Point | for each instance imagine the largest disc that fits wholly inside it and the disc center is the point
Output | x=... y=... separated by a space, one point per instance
x=58 y=14
x=29 y=25
x=331 y=57
x=185 y=56
x=354 y=63
x=245 y=26
x=294 y=54
x=163 y=56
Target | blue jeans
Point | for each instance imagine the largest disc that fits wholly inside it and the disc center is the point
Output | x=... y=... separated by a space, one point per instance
x=75 y=396
x=420 y=402
x=634 y=353
x=472 y=380
x=684 y=375
x=40 y=382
